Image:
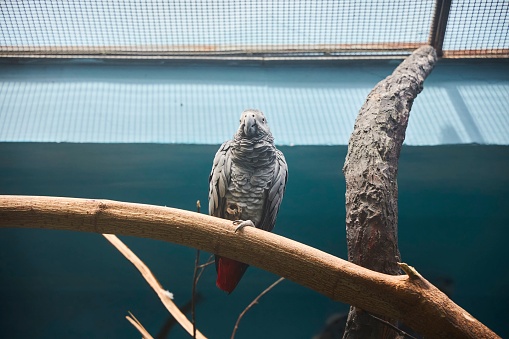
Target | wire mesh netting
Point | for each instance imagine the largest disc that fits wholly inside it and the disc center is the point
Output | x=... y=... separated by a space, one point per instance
x=248 y=28
x=477 y=28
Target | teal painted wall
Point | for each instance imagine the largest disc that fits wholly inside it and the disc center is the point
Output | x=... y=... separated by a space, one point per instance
x=453 y=229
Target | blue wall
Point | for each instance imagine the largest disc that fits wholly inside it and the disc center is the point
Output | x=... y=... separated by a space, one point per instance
x=453 y=229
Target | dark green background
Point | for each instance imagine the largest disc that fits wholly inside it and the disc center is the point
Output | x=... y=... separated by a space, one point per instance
x=453 y=226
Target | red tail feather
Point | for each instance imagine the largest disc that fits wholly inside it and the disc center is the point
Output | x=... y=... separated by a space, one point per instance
x=229 y=273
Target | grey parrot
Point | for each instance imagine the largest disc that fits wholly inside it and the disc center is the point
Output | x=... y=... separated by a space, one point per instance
x=247 y=184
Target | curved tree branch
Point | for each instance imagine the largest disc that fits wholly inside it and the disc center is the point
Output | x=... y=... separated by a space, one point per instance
x=371 y=169
x=414 y=300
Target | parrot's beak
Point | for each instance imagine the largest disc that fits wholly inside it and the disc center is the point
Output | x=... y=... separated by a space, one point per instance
x=250 y=126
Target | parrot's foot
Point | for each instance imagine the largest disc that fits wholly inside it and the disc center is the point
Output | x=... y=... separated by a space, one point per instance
x=242 y=223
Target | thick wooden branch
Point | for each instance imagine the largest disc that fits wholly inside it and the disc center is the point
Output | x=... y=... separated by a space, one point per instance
x=416 y=302
x=371 y=169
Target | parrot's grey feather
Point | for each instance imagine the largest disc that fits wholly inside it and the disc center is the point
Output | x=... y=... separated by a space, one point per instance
x=275 y=194
x=219 y=181
x=222 y=184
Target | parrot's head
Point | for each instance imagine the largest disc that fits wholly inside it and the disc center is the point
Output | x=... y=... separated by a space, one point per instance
x=253 y=125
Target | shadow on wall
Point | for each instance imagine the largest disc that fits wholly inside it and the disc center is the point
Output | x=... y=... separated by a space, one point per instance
x=467 y=120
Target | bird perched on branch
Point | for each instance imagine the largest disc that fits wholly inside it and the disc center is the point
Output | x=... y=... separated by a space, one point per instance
x=247 y=184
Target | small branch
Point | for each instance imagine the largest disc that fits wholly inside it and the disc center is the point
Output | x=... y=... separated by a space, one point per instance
x=163 y=294
x=137 y=324
x=203 y=266
x=195 y=280
x=254 y=302
x=193 y=299
x=395 y=328
x=426 y=310
x=409 y=270
x=207 y=263
x=170 y=322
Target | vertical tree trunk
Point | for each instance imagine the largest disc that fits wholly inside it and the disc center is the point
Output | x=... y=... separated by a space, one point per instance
x=370 y=170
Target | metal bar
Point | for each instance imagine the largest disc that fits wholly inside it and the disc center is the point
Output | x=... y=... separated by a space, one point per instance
x=439 y=25
x=477 y=53
x=449 y=54
x=210 y=49
x=212 y=57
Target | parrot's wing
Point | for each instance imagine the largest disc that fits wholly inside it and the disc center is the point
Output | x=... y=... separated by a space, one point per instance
x=274 y=194
x=219 y=180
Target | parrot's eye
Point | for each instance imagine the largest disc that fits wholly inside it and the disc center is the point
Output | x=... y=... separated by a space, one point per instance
x=263 y=120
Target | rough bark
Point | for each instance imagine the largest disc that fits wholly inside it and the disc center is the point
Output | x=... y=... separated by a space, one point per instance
x=407 y=297
x=371 y=169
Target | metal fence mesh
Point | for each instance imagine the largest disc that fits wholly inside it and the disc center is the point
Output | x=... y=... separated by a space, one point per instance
x=477 y=28
x=250 y=28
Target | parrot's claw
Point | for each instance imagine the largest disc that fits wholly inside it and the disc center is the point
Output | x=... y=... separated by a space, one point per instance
x=242 y=223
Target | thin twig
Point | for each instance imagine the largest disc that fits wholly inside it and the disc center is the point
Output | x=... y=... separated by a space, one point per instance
x=254 y=302
x=394 y=327
x=193 y=299
x=207 y=263
x=137 y=324
x=170 y=322
x=195 y=280
x=163 y=294
x=202 y=267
